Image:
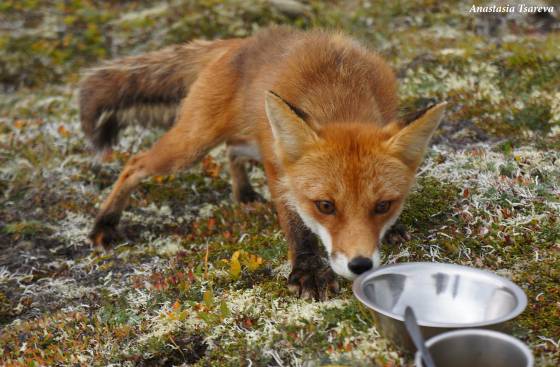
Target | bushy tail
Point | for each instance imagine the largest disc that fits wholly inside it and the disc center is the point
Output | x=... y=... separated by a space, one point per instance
x=144 y=89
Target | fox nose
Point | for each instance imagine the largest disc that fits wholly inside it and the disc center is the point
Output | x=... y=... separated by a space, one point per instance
x=360 y=264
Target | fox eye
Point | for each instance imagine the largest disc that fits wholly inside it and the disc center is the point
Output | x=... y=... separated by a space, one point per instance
x=382 y=207
x=325 y=206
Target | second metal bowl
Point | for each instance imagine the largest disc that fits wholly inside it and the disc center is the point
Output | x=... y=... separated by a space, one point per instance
x=477 y=347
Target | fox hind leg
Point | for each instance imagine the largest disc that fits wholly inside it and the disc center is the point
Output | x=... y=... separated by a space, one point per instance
x=177 y=149
x=238 y=156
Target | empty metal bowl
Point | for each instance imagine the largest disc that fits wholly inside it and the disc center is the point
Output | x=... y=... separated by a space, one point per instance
x=444 y=297
x=477 y=347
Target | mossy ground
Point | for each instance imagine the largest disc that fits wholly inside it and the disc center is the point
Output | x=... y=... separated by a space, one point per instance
x=179 y=290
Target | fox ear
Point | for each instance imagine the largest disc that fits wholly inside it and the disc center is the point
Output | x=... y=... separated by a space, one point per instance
x=411 y=142
x=291 y=133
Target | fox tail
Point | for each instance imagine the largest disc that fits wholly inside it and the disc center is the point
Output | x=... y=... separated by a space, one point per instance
x=145 y=89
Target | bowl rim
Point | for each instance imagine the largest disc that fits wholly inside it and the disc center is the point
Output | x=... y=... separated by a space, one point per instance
x=481 y=332
x=518 y=293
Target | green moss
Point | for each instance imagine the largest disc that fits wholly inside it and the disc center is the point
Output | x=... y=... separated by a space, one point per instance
x=26 y=229
x=533 y=117
x=34 y=58
x=189 y=188
x=114 y=311
x=212 y=19
x=429 y=204
x=6 y=308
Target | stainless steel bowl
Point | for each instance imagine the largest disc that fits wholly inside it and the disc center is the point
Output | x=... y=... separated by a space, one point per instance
x=477 y=347
x=444 y=297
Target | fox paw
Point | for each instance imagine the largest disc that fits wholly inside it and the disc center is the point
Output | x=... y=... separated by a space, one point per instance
x=311 y=278
x=397 y=234
x=104 y=232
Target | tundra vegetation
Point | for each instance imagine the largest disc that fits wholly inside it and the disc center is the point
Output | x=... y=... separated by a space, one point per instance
x=202 y=281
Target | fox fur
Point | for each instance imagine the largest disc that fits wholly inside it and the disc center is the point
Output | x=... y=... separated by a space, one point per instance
x=146 y=89
x=317 y=108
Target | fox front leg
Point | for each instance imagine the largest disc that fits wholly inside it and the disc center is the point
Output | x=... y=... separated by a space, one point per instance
x=396 y=235
x=311 y=276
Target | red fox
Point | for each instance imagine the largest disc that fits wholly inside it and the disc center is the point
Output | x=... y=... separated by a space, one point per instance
x=317 y=108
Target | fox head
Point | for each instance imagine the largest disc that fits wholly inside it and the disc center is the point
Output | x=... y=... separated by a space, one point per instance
x=348 y=181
